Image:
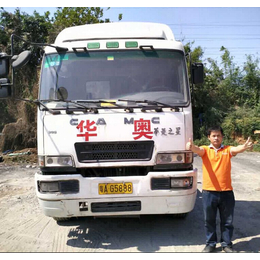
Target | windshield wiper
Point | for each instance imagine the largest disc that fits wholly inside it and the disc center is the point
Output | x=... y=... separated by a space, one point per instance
x=100 y=101
x=69 y=110
x=39 y=103
x=81 y=107
x=151 y=104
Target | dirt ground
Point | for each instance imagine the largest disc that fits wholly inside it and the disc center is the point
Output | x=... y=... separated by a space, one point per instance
x=24 y=228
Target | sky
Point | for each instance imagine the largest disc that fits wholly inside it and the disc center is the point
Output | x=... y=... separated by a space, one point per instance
x=234 y=26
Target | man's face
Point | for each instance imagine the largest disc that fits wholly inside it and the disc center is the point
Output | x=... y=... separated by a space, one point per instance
x=215 y=138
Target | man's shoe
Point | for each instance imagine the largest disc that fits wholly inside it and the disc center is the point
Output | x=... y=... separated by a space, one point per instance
x=228 y=249
x=208 y=249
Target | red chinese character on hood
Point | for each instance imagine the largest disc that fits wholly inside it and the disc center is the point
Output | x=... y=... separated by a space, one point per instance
x=142 y=129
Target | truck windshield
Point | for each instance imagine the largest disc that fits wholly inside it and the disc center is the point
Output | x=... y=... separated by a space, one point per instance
x=158 y=75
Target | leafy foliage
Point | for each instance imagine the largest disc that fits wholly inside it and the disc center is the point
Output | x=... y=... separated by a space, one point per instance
x=71 y=16
x=34 y=28
x=242 y=122
x=229 y=96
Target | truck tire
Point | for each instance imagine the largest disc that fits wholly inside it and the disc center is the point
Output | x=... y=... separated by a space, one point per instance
x=180 y=216
x=60 y=219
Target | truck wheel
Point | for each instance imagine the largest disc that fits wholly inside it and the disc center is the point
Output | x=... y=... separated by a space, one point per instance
x=60 y=219
x=180 y=216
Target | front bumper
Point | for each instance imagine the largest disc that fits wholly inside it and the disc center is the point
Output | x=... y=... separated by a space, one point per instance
x=143 y=200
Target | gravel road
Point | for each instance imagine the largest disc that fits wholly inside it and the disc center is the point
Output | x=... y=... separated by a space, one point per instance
x=23 y=227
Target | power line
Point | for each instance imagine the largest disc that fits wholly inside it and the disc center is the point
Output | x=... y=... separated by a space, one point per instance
x=230 y=34
x=214 y=25
x=224 y=38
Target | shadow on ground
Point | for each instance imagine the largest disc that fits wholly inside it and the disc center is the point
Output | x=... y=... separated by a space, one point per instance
x=150 y=233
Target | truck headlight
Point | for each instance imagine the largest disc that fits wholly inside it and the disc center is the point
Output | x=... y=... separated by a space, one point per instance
x=172 y=183
x=55 y=161
x=172 y=158
x=181 y=182
x=64 y=187
x=48 y=186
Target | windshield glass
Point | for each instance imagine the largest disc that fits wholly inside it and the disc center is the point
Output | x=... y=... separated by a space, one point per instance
x=157 y=75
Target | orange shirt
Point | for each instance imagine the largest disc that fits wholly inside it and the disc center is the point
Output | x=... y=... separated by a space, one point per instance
x=216 y=168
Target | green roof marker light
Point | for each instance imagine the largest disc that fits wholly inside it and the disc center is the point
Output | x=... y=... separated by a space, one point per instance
x=93 y=45
x=112 y=45
x=131 y=44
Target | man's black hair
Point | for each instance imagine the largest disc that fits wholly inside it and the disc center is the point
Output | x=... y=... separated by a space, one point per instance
x=215 y=128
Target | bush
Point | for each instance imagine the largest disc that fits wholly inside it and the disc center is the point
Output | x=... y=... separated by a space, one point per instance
x=238 y=126
x=242 y=123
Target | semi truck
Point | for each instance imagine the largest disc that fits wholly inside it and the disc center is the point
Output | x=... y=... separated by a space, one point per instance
x=114 y=116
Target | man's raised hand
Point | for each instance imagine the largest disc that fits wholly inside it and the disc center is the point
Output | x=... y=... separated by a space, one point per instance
x=189 y=145
x=248 y=144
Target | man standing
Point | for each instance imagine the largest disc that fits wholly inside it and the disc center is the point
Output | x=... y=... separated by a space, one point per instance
x=217 y=191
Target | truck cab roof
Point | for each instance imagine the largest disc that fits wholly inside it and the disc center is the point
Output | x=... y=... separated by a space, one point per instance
x=157 y=35
x=118 y=30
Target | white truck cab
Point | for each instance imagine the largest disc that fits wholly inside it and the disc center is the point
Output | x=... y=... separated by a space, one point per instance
x=113 y=121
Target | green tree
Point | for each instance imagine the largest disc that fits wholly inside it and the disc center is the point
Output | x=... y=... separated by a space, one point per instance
x=229 y=95
x=242 y=122
x=251 y=82
x=71 y=16
x=208 y=105
x=34 y=28
x=194 y=55
x=231 y=85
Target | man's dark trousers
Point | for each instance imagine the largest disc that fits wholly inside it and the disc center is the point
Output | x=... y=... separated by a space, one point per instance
x=223 y=201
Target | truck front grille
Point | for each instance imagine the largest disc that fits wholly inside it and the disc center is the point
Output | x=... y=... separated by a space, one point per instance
x=114 y=151
x=116 y=206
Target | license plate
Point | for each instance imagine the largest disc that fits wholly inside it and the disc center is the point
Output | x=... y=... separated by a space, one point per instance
x=115 y=188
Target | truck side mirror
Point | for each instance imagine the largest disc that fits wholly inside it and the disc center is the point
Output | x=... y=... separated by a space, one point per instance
x=5 y=88
x=197 y=73
x=17 y=61
x=20 y=60
x=4 y=65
